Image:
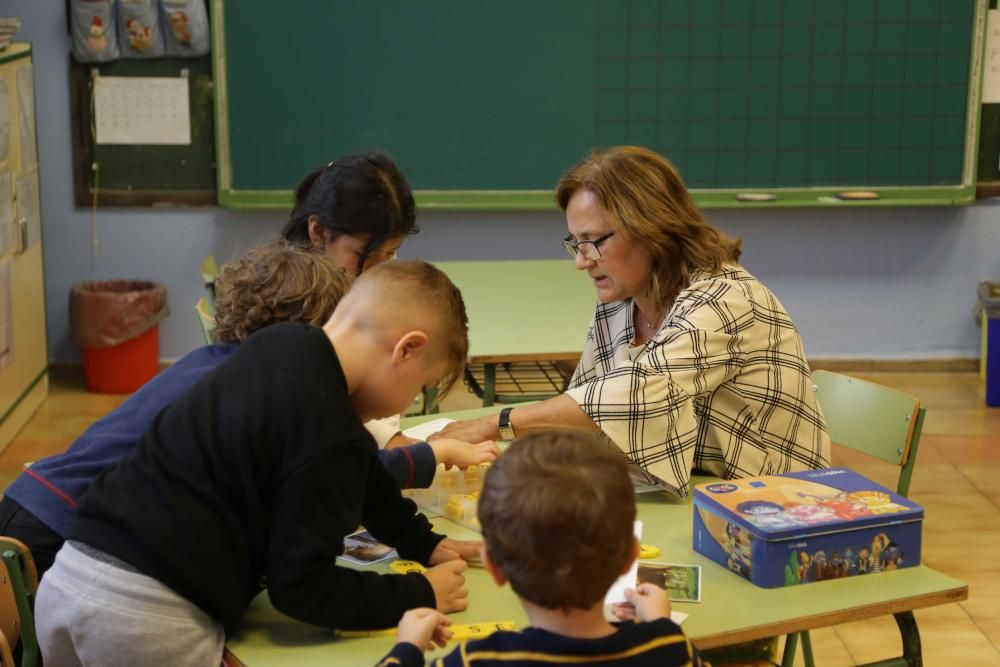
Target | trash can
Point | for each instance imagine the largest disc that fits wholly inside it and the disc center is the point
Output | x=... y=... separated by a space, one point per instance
x=116 y=322
x=989 y=299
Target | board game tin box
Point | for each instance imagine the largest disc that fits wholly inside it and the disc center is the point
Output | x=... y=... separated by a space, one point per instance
x=800 y=527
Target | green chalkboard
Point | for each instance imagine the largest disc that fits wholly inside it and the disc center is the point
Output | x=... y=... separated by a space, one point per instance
x=485 y=103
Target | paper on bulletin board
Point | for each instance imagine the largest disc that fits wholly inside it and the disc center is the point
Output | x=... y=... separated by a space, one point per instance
x=26 y=114
x=142 y=110
x=991 y=73
x=29 y=205
x=4 y=121
x=6 y=211
x=6 y=315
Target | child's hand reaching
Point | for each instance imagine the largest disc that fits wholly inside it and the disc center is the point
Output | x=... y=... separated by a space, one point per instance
x=422 y=627
x=463 y=454
x=647 y=602
x=448 y=583
x=449 y=549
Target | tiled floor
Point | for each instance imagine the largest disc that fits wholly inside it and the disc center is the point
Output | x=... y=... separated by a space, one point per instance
x=957 y=480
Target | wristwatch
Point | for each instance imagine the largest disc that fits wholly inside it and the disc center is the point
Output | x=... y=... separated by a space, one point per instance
x=506 y=428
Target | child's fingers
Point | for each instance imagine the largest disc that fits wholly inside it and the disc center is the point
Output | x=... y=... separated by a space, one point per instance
x=623 y=611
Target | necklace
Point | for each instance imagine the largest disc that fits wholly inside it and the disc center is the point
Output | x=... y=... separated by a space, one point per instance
x=646 y=323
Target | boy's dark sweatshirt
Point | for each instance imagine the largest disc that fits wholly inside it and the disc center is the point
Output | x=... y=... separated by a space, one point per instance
x=254 y=477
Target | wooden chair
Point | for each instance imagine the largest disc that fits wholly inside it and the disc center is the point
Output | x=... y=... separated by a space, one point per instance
x=883 y=423
x=209 y=271
x=206 y=318
x=17 y=588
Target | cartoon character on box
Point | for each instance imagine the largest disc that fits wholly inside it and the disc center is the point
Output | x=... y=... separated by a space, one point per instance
x=892 y=557
x=98 y=39
x=181 y=28
x=877 y=502
x=834 y=567
x=738 y=550
x=879 y=544
x=767 y=514
x=139 y=36
x=850 y=562
x=864 y=560
x=809 y=515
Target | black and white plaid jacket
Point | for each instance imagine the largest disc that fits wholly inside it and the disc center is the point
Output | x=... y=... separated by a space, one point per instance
x=723 y=386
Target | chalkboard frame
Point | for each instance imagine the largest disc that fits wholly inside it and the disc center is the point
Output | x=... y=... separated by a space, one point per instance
x=962 y=193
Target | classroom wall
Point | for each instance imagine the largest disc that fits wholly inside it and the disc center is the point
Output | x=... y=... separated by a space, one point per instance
x=885 y=283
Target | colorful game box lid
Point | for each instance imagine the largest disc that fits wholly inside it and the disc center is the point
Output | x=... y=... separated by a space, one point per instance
x=776 y=507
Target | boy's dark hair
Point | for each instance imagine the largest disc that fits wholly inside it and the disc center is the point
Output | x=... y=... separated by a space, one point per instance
x=360 y=193
x=278 y=282
x=557 y=511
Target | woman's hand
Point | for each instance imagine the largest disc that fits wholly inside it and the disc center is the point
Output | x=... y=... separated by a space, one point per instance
x=463 y=454
x=422 y=627
x=647 y=602
x=470 y=430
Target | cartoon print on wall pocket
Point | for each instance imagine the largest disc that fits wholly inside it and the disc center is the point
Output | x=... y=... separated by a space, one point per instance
x=185 y=28
x=139 y=27
x=94 y=33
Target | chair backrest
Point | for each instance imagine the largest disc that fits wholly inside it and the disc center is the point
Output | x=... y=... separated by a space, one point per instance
x=20 y=581
x=206 y=318
x=209 y=271
x=872 y=419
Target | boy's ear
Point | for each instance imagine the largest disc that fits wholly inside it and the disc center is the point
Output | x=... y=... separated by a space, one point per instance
x=495 y=573
x=635 y=554
x=408 y=345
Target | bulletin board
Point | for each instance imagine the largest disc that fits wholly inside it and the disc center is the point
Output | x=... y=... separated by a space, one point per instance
x=144 y=174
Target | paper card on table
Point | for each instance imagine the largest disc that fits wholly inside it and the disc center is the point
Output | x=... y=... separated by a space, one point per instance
x=616 y=593
x=682 y=582
x=363 y=549
x=422 y=431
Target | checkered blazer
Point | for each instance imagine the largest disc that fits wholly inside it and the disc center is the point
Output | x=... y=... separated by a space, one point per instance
x=723 y=387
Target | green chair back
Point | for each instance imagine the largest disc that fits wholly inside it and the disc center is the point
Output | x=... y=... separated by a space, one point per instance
x=209 y=271
x=206 y=318
x=872 y=419
x=20 y=570
x=875 y=420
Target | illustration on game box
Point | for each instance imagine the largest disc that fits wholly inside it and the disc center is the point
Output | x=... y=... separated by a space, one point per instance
x=801 y=527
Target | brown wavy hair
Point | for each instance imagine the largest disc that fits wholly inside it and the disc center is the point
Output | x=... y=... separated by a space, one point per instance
x=557 y=512
x=648 y=203
x=278 y=282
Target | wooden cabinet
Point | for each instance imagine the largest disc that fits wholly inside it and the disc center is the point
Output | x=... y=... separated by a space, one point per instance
x=23 y=342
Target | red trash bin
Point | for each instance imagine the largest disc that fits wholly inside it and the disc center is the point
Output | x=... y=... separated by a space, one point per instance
x=116 y=322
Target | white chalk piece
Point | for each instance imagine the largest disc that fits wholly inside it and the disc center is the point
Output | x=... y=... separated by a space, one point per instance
x=756 y=196
x=858 y=195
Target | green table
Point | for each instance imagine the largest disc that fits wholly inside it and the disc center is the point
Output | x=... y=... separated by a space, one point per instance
x=522 y=312
x=732 y=609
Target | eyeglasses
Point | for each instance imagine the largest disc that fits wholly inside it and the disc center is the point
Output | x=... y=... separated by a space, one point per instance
x=589 y=249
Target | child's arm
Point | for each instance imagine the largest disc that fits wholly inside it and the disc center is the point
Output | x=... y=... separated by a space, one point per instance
x=463 y=454
x=413 y=466
x=418 y=630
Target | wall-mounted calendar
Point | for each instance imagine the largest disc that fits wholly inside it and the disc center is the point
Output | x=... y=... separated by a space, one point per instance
x=142 y=110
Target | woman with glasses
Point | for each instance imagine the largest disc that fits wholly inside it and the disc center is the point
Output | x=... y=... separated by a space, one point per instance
x=358 y=209
x=691 y=362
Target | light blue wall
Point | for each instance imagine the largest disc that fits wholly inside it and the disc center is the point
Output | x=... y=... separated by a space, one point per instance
x=864 y=283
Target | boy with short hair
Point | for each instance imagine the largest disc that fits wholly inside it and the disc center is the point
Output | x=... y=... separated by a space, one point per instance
x=557 y=511
x=253 y=477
